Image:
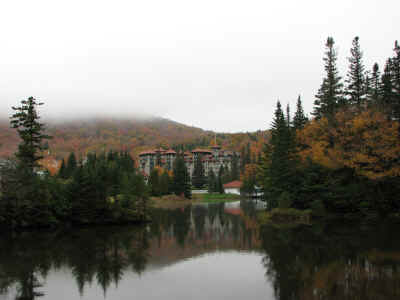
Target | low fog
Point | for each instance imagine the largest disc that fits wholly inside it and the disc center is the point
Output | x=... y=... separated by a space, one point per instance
x=217 y=65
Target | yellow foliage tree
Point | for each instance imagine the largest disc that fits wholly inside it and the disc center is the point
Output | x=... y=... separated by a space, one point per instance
x=367 y=142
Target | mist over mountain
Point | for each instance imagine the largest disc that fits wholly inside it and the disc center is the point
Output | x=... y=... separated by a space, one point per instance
x=133 y=134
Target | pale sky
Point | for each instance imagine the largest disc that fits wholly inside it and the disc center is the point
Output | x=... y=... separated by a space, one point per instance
x=215 y=64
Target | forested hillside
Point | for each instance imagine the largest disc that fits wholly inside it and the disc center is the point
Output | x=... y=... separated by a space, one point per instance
x=132 y=135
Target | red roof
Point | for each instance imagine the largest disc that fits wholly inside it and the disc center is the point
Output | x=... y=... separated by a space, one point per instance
x=233 y=184
x=170 y=152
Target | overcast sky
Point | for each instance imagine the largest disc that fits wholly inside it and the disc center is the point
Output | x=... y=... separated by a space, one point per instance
x=214 y=64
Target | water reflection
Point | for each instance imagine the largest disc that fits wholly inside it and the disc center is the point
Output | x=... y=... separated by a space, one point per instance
x=333 y=261
x=100 y=255
x=203 y=251
x=104 y=255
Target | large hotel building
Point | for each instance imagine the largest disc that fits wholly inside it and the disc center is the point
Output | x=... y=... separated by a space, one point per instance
x=212 y=158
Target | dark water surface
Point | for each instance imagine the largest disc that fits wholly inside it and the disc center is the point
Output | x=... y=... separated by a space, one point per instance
x=204 y=252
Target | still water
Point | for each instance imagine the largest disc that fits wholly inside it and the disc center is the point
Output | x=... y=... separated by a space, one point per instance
x=204 y=252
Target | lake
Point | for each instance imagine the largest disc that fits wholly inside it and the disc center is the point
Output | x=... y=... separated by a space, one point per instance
x=215 y=251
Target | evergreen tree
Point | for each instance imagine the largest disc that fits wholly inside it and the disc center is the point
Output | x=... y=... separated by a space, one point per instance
x=220 y=187
x=62 y=171
x=234 y=167
x=198 y=177
x=72 y=165
x=154 y=183
x=31 y=131
x=329 y=95
x=188 y=185
x=299 y=119
x=395 y=70
x=355 y=81
x=278 y=165
x=164 y=183
x=288 y=121
x=181 y=178
x=375 y=85
x=387 y=88
x=212 y=182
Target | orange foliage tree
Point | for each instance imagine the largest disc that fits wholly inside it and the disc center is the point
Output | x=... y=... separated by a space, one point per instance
x=368 y=143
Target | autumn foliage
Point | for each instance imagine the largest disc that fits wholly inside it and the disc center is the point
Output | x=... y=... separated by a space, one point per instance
x=367 y=142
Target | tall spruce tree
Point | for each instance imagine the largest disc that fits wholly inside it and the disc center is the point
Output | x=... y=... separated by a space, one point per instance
x=198 y=178
x=62 y=171
x=395 y=70
x=330 y=94
x=154 y=183
x=234 y=167
x=31 y=131
x=375 y=85
x=165 y=183
x=188 y=185
x=387 y=88
x=299 y=119
x=220 y=185
x=288 y=121
x=278 y=165
x=72 y=165
x=212 y=182
x=356 y=88
x=181 y=178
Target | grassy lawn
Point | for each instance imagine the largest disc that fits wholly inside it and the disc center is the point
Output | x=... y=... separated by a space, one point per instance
x=215 y=198
x=173 y=201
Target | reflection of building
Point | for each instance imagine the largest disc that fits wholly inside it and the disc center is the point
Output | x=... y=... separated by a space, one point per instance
x=212 y=159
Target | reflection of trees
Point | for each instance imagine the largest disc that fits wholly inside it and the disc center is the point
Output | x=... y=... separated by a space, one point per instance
x=28 y=285
x=181 y=224
x=103 y=256
x=199 y=215
x=332 y=262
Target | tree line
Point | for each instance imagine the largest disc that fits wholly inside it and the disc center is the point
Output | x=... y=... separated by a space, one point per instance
x=103 y=189
x=346 y=158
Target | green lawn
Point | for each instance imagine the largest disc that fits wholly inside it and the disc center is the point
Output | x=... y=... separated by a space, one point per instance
x=215 y=198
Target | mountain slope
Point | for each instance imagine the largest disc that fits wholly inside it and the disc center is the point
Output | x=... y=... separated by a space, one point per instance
x=133 y=135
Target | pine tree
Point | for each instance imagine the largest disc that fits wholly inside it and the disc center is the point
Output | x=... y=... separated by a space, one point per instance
x=355 y=81
x=72 y=165
x=278 y=165
x=375 y=86
x=61 y=172
x=299 y=119
x=288 y=121
x=234 y=167
x=395 y=70
x=212 y=182
x=220 y=187
x=154 y=183
x=329 y=96
x=181 y=178
x=164 y=183
x=188 y=185
x=31 y=131
x=387 y=88
x=198 y=177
